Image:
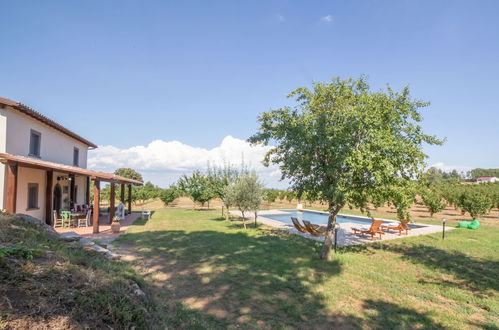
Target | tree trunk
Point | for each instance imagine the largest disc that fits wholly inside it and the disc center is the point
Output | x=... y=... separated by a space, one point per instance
x=329 y=238
x=255 y=219
x=244 y=220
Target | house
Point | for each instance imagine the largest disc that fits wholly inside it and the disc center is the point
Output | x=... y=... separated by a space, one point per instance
x=43 y=166
x=484 y=179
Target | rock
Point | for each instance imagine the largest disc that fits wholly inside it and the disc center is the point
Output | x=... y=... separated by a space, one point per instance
x=137 y=291
x=70 y=236
x=86 y=242
x=112 y=256
x=38 y=223
x=99 y=249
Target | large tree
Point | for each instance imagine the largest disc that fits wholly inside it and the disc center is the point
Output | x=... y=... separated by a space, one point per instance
x=346 y=144
x=129 y=173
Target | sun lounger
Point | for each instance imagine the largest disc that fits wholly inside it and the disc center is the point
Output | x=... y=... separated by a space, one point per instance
x=375 y=229
x=401 y=227
x=315 y=229
x=299 y=227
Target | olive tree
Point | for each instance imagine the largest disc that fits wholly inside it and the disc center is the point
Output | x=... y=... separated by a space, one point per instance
x=220 y=177
x=246 y=194
x=345 y=143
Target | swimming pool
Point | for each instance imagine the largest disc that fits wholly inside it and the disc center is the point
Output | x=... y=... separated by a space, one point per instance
x=313 y=217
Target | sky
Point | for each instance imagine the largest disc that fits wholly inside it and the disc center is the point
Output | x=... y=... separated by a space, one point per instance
x=166 y=87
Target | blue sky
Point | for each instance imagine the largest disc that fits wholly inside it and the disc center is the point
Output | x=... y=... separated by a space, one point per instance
x=127 y=73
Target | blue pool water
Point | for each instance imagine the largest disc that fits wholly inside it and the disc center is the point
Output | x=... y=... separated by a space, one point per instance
x=313 y=217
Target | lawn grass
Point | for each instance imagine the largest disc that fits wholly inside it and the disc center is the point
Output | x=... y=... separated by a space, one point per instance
x=46 y=283
x=212 y=273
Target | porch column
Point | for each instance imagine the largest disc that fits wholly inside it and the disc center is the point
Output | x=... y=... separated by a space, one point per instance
x=72 y=191
x=111 y=202
x=11 y=187
x=122 y=193
x=48 y=197
x=87 y=191
x=95 y=221
x=129 y=199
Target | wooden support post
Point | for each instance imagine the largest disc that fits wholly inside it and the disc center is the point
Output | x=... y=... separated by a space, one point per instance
x=72 y=191
x=129 y=199
x=111 y=202
x=95 y=221
x=11 y=188
x=48 y=197
x=87 y=191
x=122 y=192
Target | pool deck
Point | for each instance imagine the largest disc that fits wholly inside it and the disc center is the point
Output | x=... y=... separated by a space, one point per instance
x=345 y=234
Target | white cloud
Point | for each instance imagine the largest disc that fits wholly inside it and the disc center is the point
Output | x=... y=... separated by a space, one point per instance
x=450 y=168
x=281 y=19
x=162 y=162
x=327 y=18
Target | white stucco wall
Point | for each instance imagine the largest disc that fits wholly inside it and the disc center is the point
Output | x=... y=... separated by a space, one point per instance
x=55 y=146
x=15 y=132
x=24 y=177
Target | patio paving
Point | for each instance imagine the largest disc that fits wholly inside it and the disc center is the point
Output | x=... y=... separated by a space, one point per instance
x=104 y=228
x=345 y=234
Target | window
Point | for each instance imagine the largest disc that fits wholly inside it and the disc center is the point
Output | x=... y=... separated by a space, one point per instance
x=32 y=196
x=34 y=143
x=76 y=156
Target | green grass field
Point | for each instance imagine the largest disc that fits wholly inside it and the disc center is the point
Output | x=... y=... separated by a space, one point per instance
x=212 y=273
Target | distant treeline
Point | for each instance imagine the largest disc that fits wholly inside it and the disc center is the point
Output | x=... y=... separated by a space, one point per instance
x=481 y=172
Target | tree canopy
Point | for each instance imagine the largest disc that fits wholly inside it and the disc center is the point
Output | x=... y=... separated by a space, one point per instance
x=129 y=173
x=345 y=144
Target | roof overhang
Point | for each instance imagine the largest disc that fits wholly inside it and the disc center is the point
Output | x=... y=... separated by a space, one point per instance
x=46 y=165
x=47 y=121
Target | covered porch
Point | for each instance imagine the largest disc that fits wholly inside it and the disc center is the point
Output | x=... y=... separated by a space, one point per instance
x=104 y=227
x=58 y=186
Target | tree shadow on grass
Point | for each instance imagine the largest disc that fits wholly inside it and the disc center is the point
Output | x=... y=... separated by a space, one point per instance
x=237 y=277
x=386 y=315
x=477 y=275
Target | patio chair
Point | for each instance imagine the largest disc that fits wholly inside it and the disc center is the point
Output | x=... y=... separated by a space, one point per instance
x=401 y=227
x=375 y=229
x=57 y=221
x=66 y=218
x=86 y=220
x=315 y=230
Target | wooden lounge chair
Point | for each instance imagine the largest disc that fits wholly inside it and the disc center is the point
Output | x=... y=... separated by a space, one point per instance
x=401 y=227
x=298 y=226
x=301 y=228
x=315 y=229
x=375 y=229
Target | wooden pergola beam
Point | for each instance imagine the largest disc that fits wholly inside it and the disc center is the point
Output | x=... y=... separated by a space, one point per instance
x=122 y=192
x=95 y=221
x=12 y=169
x=112 y=196
x=72 y=190
x=129 y=199
x=48 y=197
x=87 y=190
